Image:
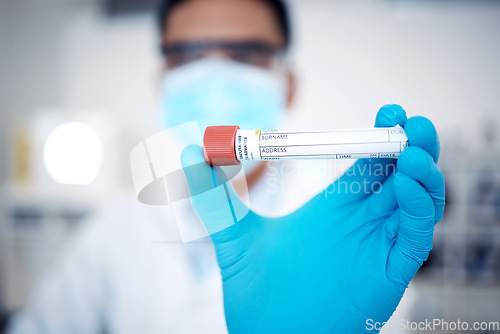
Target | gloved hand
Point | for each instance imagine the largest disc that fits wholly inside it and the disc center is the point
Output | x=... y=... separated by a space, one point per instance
x=339 y=264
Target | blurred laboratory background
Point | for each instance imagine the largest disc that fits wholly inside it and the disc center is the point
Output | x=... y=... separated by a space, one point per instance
x=79 y=82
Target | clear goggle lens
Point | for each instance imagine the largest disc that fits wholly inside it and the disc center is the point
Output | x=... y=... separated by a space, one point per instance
x=251 y=53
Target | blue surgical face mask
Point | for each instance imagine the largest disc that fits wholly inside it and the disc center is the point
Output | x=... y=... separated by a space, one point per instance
x=217 y=91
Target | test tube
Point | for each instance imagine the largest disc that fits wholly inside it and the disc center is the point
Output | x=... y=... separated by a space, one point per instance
x=229 y=145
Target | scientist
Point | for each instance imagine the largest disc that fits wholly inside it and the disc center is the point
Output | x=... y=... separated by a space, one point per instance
x=338 y=264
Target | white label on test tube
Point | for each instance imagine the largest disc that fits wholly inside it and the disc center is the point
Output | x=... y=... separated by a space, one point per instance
x=334 y=144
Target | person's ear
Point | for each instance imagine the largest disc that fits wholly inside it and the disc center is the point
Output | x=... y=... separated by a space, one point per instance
x=291 y=81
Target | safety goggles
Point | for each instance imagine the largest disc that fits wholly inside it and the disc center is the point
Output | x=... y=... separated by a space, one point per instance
x=250 y=52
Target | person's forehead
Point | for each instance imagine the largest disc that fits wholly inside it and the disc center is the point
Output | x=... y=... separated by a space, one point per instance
x=222 y=20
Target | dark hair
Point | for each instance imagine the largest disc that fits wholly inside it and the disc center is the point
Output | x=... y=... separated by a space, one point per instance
x=278 y=7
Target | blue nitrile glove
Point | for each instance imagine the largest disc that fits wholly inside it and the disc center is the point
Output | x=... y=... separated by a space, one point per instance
x=339 y=264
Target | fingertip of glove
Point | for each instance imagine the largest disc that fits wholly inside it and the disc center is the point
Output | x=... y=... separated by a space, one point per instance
x=422 y=133
x=390 y=115
x=421 y=124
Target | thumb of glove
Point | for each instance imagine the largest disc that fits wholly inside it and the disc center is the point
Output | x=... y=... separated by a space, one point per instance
x=212 y=195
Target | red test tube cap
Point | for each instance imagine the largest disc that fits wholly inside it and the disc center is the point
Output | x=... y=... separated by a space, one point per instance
x=218 y=145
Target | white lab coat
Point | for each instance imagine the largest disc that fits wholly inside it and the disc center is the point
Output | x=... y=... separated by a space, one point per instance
x=127 y=271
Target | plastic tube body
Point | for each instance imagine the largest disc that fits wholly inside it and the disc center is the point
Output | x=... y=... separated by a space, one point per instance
x=337 y=144
x=244 y=145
